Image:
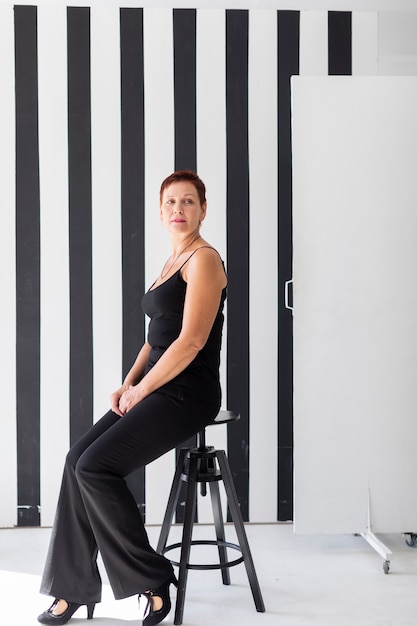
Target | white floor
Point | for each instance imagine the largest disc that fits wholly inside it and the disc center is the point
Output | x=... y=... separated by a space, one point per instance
x=305 y=581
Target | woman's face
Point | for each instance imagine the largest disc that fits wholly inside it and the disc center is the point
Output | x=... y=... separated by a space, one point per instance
x=180 y=210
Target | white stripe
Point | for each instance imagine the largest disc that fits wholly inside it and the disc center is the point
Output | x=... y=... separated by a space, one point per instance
x=211 y=121
x=53 y=142
x=159 y=130
x=211 y=160
x=159 y=151
x=106 y=205
x=364 y=43
x=263 y=276
x=313 y=43
x=8 y=488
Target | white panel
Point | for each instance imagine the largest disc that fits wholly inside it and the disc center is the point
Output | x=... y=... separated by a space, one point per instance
x=53 y=163
x=159 y=150
x=314 y=43
x=355 y=303
x=263 y=277
x=8 y=488
x=364 y=44
x=397 y=44
x=211 y=160
x=106 y=205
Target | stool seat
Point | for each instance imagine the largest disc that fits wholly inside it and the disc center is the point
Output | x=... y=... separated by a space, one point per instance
x=225 y=417
x=205 y=465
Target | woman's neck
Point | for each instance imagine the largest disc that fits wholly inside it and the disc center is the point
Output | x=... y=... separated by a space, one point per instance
x=180 y=245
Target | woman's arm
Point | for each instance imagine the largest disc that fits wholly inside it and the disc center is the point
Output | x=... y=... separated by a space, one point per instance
x=205 y=279
x=132 y=378
x=138 y=368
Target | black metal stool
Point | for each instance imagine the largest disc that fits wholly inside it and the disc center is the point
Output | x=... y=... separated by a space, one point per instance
x=203 y=465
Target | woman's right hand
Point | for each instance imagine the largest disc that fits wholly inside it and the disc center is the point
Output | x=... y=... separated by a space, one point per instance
x=115 y=399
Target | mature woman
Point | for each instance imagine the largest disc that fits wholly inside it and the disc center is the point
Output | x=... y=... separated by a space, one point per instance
x=171 y=392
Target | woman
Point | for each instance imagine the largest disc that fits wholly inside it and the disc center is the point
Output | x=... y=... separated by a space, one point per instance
x=171 y=392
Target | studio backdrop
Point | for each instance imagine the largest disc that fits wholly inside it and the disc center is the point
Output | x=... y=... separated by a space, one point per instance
x=97 y=106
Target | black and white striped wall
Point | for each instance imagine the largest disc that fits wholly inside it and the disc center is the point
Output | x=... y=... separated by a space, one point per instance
x=97 y=106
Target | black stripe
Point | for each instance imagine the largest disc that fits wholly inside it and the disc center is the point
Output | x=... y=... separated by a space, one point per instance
x=237 y=26
x=340 y=42
x=27 y=267
x=184 y=35
x=133 y=201
x=79 y=157
x=184 y=24
x=288 y=64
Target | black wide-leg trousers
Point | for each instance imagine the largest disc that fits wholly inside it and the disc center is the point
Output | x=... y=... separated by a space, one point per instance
x=96 y=510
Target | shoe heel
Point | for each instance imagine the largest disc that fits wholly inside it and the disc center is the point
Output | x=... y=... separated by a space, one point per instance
x=90 y=610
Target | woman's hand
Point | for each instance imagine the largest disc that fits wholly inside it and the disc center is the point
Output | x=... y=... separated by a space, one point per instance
x=124 y=398
x=130 y=396
x=115 y=400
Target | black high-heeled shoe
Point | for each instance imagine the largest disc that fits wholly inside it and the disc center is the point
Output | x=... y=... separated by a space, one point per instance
x=153 y=617
x=48 y=617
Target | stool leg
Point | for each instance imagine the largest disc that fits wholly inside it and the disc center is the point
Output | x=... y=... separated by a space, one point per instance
x=201 y=445
x=219 y=526
x=189 y=513
x=240 y=529
x=203 y=485
x=172 y=502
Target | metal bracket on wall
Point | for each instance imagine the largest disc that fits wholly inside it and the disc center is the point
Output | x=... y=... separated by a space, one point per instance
x=287 y=295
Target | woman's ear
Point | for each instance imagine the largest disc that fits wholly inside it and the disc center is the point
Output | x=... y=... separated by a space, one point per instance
x=203 y=212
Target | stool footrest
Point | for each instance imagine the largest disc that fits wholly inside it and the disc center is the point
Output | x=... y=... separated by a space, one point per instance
x=207 y=566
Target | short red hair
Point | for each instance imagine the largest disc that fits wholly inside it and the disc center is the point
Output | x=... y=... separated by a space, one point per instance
x=187 y=175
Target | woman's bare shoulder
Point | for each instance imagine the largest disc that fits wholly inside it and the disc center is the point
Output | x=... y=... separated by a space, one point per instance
x=205 y=259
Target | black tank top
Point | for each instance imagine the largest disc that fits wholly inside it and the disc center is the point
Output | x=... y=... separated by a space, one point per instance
x=164 y=305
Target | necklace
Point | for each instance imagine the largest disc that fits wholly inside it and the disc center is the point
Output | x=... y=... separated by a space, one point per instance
x=162 y=275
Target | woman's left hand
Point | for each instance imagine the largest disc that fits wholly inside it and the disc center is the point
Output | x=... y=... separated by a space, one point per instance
x=129 y=398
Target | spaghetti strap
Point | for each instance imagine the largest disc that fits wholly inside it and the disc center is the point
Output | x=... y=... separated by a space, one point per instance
x=193 y=252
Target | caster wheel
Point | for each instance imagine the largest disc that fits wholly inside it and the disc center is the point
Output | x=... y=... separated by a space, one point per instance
x=412 y=540
x=386 y=567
